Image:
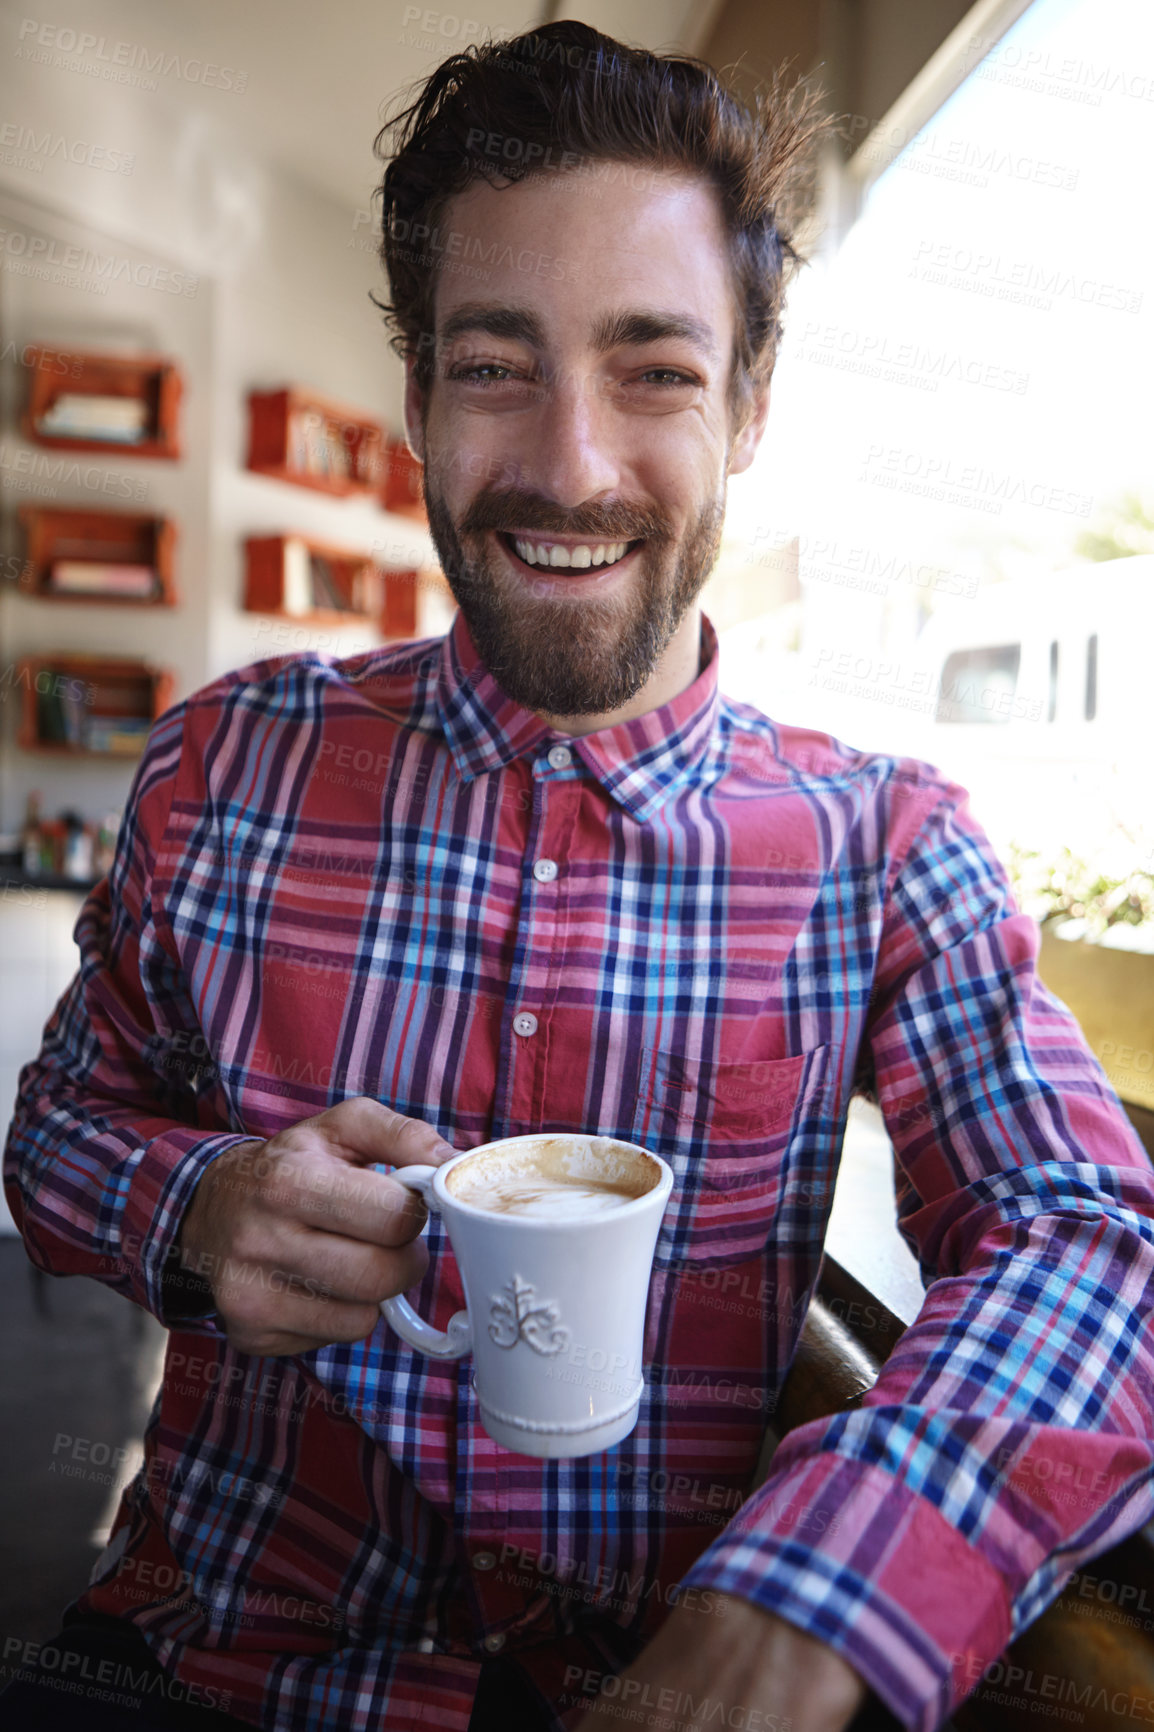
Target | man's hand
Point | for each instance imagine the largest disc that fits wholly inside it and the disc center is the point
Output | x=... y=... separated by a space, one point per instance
x=734 y=1666
x=298 y=1243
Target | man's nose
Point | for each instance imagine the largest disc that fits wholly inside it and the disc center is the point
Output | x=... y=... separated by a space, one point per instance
x=571 y=457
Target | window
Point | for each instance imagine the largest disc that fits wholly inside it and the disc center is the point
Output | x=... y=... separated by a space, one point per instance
x=978 y=685
x=1091 y=709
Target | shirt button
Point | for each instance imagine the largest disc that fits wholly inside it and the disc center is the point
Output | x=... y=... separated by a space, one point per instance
x=494 y=1643
x=544 y=871
x=524 y=1023
x=560 y=757
x=484 y=1560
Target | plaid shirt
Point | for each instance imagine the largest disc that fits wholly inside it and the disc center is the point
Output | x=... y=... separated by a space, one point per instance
x=325 y=887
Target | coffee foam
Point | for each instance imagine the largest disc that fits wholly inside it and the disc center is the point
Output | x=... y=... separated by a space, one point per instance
x=554 y=1178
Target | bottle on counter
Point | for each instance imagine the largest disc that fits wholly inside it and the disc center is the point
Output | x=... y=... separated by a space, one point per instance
x=77 y=862
x=54 y=835
x=105 y=847
x=32 y=839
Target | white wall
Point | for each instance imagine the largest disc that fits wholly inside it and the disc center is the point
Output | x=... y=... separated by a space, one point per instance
x=300 y=310
x=74 y=310
x=273 y=280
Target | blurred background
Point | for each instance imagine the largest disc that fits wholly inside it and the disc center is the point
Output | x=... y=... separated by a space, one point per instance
x=945 y=547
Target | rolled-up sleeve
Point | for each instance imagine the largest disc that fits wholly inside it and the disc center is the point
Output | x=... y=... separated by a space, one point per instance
x=1010 y=1436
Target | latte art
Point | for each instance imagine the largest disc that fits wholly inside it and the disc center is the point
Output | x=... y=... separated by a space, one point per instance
x=546 y=1199
x=554 y=1180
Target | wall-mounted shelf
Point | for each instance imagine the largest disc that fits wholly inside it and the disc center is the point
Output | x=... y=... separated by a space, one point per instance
x=294 y=577
x=399 y=598
x=415 y=603
x=122 y=405
x=311 y=441
x=401 y=482
x=72 y=554
x=89 y=706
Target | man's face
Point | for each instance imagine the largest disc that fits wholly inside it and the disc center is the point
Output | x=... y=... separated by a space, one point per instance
x=576 y=435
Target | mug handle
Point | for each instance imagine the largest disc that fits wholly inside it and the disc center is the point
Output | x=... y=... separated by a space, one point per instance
x=457 y=1340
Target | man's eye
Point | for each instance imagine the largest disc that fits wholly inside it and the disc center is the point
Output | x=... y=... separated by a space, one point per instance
x=482 y=373
x=666 y=376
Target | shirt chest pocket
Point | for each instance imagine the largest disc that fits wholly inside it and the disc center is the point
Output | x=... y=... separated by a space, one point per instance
x=726 y=1130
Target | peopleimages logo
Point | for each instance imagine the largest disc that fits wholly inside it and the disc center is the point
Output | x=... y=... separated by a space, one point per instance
x=1023 y=282
x=72 y=50
x=24 y=147
x=111 y=1681
x=39 y=255
x=1066 y=76
x=970 y=484
x=1048 y=1694
x=36 y=472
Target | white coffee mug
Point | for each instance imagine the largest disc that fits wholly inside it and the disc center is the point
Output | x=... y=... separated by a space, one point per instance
x=556 y=1302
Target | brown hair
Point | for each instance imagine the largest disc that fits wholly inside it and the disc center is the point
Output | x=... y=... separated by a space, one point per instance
x=567 y=96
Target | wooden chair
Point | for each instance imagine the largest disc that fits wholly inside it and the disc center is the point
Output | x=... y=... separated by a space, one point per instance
x=1088 y=1661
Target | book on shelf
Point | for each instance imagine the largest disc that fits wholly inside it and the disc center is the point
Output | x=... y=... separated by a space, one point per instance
x=316 y=448
x=298 y=589
x=312 y=585
x=95 y=577
x=61 y=718
x=327 y=591
x=64 y=719
x=119 y=736
x=320 y=576
x=76 y=415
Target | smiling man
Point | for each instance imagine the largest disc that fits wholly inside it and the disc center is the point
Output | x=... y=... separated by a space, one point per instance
x=587 y=893
x=578 y=579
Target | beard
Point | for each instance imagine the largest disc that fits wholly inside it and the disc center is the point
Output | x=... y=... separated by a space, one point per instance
x=567 y=658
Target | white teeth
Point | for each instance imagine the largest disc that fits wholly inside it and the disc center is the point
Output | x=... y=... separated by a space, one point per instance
x=574 y=558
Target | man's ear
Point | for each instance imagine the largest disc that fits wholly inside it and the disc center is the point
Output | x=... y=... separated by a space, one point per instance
x=414 y=405
x=745 y=446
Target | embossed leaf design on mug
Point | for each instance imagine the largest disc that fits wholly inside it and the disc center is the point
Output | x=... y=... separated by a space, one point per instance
x=515 y=1318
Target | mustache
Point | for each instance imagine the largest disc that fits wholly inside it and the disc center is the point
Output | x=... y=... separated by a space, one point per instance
x=516 y=508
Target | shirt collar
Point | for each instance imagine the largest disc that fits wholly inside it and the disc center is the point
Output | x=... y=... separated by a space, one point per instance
x=641 y=763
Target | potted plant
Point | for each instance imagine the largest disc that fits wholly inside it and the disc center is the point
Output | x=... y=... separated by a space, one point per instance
x=1097 y=953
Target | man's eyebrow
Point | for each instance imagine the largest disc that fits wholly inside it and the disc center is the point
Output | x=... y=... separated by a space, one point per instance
x=633 y=329
x=516 y=323
x=614 y=330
